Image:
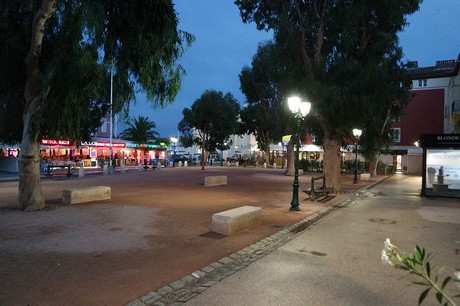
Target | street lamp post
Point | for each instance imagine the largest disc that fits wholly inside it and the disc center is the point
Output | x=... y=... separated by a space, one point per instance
x=357 y=133
x=300 y=110
x=282 y=154
x=111 y=120
x=174 y=140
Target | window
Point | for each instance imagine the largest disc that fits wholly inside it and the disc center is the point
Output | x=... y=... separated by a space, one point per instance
x=396 y=135
x=422 y=83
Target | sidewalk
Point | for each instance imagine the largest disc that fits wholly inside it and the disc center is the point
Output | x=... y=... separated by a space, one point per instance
x=152 y=233
x=337 y=261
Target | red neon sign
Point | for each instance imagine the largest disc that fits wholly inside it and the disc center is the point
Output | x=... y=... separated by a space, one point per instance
x=52 y=142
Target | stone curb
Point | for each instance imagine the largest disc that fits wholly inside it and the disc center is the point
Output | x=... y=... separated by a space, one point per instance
x=180 y=291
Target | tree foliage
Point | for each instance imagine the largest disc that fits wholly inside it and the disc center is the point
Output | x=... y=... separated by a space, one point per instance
x=210 y=121
x=264 y=116
x=57 y=55
x=331 y=46
x=140 y=131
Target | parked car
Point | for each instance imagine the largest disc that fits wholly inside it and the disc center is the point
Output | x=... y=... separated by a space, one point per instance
x=161 y=161
x=179 y=158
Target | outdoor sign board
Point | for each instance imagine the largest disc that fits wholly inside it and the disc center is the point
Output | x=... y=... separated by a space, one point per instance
x=441 y=165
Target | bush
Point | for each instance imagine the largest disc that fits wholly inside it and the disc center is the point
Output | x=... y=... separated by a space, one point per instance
x=348 y=166
x=310 y=165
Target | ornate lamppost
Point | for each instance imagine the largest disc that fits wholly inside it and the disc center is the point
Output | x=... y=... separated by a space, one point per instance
x=300 y=110
x=357 y=133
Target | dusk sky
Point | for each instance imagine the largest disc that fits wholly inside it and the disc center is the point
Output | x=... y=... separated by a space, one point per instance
x=224 y=44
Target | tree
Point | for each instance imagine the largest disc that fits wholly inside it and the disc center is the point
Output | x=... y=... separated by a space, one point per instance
x=326 y=43
x=140 y=131
x=379 y=114
x=57 y=55
x=210 y=122
x=264 y=116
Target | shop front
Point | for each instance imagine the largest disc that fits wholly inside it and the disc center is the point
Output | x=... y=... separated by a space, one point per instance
x=93 y=153
x=145 y=153
x=441 y=165
x=52 y=150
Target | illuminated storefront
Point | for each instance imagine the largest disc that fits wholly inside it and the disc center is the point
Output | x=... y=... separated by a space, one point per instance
x=94 y=152
x=441 y=165
x=147 y=152
x=57 y=150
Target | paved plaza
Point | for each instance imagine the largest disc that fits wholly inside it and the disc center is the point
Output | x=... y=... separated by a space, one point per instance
x=154 y=231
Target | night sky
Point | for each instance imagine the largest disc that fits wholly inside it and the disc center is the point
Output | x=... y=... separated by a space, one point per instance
x=224 y=44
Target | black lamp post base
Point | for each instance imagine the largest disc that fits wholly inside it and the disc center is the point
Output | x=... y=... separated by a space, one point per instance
x=294 y=208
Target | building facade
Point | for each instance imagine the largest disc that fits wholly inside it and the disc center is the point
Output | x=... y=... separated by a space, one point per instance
x=434 y=109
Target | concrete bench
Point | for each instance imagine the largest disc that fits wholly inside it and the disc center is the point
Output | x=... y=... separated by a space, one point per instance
x=233 y=220
x=215 y=180
x=87 y=194
x=365 y=176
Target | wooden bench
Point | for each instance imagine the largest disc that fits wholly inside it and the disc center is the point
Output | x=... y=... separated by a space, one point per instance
x=50 y=170
x=233 y=220
x=87 y=194
x=314 y=192
x=218 y=180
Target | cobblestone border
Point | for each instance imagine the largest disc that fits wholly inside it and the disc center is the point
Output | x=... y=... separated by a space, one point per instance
x=180 y=291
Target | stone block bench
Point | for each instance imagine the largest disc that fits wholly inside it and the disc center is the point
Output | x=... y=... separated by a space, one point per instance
x=210 y=181
x=86 y=194
x=233 y=220
x=365 y=176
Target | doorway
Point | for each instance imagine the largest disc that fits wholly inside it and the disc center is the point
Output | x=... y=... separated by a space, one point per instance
x=397 y=163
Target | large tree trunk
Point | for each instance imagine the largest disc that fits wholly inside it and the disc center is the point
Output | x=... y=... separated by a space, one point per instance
x=30 y=190
x=373 y=166
x=290 y=158
x=204 y=158
x=267 y=154
x=331 y=164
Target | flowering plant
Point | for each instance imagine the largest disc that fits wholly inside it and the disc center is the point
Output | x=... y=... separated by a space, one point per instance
x=418 y=264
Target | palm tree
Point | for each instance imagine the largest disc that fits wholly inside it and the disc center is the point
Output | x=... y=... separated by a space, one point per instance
x=140 y=131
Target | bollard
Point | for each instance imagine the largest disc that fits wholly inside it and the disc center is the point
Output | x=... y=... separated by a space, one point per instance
x=81 y=171
x=105 y=170
x=265 y=165
x=274 y=165
x=123 y=168
x=158 y=165
x=179 y=164
x=236 y=164
x=139 y=167
x=228 y=164
x=185 y=163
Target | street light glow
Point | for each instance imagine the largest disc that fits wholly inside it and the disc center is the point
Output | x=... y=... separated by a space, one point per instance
x=357 y=132
x=294 y=104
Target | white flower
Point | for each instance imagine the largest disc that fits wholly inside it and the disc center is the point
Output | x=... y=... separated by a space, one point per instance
x=385 y=258
x=387 y=245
